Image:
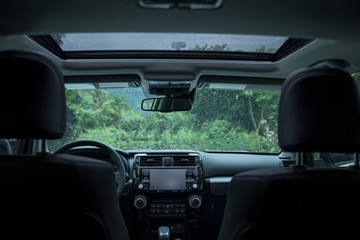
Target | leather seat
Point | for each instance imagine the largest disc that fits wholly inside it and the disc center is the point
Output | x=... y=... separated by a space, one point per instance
x=318 y=111
x=49 y=196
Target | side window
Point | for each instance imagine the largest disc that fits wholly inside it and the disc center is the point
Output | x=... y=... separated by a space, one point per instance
x=331 y=159
x=8 y=146
x=356 y=77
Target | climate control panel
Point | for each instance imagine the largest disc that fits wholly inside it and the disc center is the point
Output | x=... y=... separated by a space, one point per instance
x=167 y=208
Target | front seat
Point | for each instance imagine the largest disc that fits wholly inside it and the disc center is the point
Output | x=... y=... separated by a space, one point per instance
x=318 y=111
x=49 y=196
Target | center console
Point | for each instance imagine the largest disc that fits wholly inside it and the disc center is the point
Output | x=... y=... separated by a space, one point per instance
x=168 y=193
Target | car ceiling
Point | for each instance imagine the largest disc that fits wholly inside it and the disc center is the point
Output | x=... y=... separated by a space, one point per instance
x=332 y=23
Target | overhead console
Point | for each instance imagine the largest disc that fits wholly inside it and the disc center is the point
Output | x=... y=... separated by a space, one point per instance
x=169 y=84
x=174 y=88
x=168 y=193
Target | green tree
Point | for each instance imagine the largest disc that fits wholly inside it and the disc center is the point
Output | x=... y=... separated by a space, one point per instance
x=266 y=104
x=219 y=121
x=356 y=77
x=216 y=48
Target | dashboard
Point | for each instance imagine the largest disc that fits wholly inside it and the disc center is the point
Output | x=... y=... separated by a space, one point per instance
x=182 y=190
x=186 y=190
x=168 y=191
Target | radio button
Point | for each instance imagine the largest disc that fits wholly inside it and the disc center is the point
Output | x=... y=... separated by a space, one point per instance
x=195 y=201
x=140 y=202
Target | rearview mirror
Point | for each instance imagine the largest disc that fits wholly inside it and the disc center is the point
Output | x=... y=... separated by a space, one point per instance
x=166 y=104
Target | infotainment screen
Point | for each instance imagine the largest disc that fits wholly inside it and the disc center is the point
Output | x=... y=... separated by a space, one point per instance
x=167 y=179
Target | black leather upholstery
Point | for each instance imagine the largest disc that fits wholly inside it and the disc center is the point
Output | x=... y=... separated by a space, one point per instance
x=291 y=203
x=32 y=87
x=49 y=196
x=318 y=111
x=58 y=197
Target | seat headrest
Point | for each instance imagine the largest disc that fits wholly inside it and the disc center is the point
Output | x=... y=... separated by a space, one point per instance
x=32 y=96
x=319 y=111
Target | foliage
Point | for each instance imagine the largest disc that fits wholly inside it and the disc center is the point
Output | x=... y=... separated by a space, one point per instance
x=216 y=47
x=225 y=48
x=356 y=77
x=262 y=49
x=221 y=120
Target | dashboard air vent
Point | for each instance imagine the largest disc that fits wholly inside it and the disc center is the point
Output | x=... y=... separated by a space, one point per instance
x=184 y=160
x=151 y=161
x=288 y=163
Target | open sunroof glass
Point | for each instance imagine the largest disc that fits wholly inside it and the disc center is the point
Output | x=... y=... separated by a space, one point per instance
x=168 y=42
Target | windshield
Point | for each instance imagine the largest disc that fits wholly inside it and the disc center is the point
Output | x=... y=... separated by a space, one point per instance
x=221 y=120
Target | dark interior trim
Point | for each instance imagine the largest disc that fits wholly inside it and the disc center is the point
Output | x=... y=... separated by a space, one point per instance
x=49 y=43
x=102 y=78
x=290 y=46
x=167 y=55
x=241 y=80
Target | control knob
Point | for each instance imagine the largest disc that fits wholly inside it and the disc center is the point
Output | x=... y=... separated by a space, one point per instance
x=195 y=201
x=140 y=202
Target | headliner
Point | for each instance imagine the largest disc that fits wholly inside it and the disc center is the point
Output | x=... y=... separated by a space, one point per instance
x=332 y=19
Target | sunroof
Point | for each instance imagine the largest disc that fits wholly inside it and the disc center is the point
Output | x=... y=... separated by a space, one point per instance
x=167 y=42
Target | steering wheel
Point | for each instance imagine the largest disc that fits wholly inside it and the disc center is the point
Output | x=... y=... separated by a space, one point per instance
x=119 y=168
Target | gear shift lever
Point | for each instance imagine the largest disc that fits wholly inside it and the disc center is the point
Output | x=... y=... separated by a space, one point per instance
x=164 y=233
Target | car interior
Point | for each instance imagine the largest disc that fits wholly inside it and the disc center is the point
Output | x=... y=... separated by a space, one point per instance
x=179 y=119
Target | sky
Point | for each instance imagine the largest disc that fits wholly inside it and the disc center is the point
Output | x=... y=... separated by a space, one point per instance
x=166 y=41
